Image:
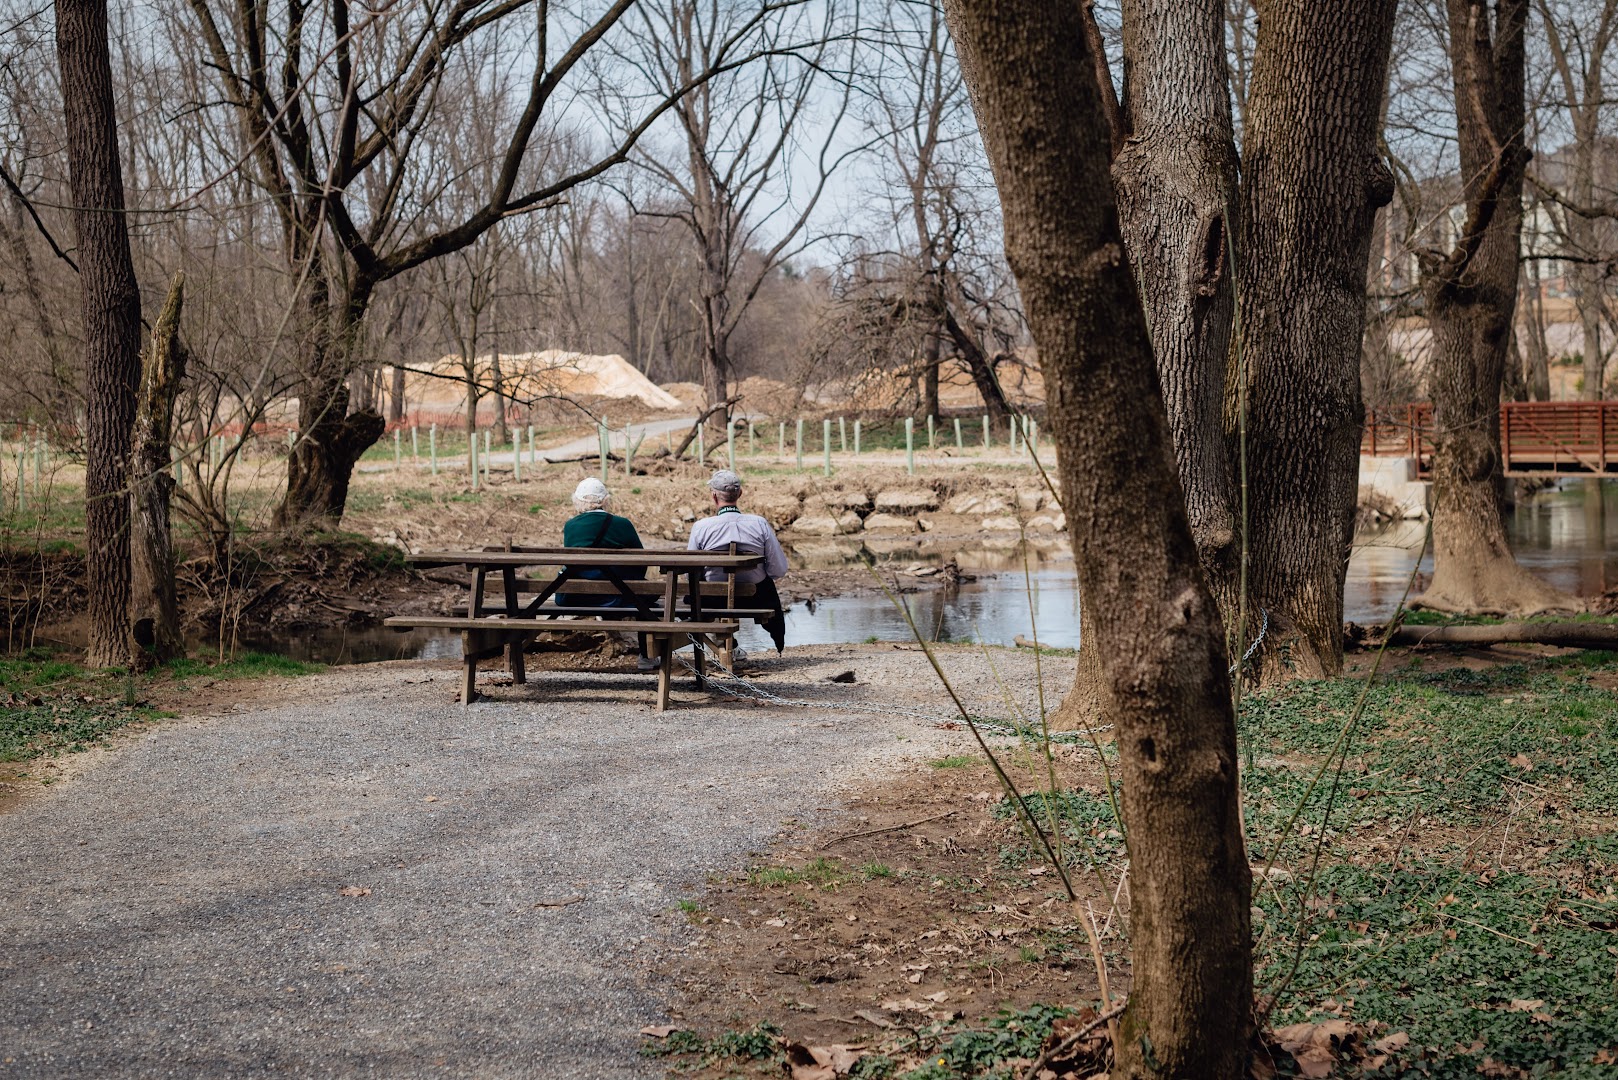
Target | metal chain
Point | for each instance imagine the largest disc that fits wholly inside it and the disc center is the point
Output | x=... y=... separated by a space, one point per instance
x=1264 y=628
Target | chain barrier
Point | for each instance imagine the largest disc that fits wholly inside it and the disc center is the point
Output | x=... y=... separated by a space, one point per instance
x=1264 y=628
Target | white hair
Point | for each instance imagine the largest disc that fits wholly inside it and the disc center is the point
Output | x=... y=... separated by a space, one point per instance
x=591 y=494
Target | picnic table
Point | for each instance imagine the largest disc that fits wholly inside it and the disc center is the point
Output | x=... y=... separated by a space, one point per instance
x=702 y=614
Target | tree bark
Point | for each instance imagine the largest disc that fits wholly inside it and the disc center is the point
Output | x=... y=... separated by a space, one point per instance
x=396 y=394
x=154 y=613
x=110 y=299
x=982 y=370
x=501 y=434
x=1567 y=635
x=1312 y=181
x=330 y=438
x=1174 y=175
x=1471 y=295
x=929 y=377
x=1037 y=103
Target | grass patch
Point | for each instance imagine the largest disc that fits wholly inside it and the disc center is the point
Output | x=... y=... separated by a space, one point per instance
x=245 y=665
x=759 y=1043
x=52 y=705
x=1414 y=922
x=821 y=873
x=954 y=761
x=1512 y=967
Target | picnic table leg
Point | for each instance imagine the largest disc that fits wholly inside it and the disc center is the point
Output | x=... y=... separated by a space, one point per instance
x=515 y=662
x=665 y=670
x=696 y=617
x=469 y=677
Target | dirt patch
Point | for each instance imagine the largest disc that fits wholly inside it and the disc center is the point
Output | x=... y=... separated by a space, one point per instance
x=919 y=905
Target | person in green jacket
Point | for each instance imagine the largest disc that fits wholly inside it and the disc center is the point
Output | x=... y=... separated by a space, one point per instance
x=594 y=525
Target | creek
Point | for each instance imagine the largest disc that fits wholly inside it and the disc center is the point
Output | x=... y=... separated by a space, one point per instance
x=1567 y=535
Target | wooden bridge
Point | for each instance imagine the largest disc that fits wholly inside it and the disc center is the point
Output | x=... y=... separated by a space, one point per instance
x=1537 y=438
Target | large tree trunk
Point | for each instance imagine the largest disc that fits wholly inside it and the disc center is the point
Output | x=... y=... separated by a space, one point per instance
x=110 y=299
x=154 y=613
x=1189 y=1011
x=1176 y=182
x=1311 y=184
x=1471 y=296
x=1175 y=179
x=330 y=438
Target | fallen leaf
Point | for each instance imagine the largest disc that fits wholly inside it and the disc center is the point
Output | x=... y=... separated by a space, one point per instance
x=823 y=1062
x=1524 y=1004
x=353 y=890
x=659 y=1031
x=942 y=995
x=1522 y=762
x=1392 y=1044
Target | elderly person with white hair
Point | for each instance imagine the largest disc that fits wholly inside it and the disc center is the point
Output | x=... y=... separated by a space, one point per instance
x=751 y=534
x=594 y=525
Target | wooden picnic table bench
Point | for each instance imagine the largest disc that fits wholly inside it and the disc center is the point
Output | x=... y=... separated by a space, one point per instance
x=702 y=614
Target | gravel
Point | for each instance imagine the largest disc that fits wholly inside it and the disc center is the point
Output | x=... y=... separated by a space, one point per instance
x=178 y=910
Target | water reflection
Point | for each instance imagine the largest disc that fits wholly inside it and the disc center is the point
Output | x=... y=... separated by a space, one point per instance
x=1568 y=536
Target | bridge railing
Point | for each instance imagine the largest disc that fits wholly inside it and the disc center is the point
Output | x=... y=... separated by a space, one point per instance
x=1537 y=438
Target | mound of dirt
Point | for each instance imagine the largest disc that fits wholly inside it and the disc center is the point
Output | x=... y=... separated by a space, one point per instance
x=689 y=394
x=768 y=397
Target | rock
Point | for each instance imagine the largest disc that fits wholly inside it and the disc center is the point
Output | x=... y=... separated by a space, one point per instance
x=979 y=504
x=1047 y=523
x=1000 y=524
x=826 y=524
x=1031 y=500
x=779 y=512
x=911 y=499
x=846 y=500
x=841 y=677
x=889 y=521
x=686 y=514
x=925 y=523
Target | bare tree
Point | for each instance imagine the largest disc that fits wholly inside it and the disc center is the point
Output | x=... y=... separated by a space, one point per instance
x=1471 y=299
x=331 y=108
x=111 y=303
x=1312 y=181
x=1036 y=97
x=1578 y=47
x=920 y=102
x=154 y=612
x=731 y=166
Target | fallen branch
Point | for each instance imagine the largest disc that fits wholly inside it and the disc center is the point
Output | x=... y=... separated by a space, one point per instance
x=890 y=828
x=1572 y=635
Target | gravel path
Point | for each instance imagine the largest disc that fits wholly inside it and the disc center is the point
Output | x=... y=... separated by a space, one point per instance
x=177 y=910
